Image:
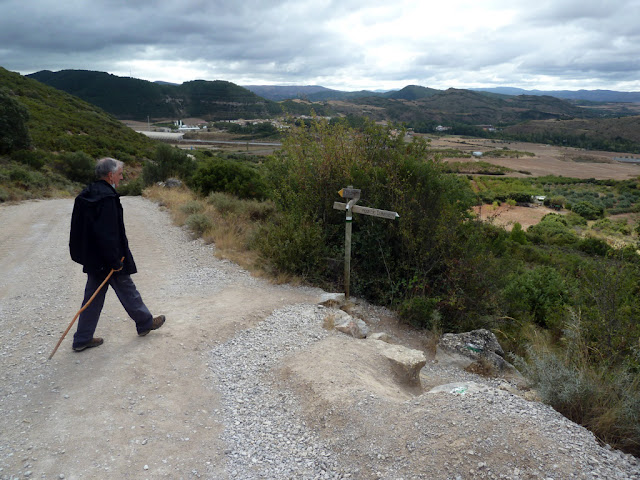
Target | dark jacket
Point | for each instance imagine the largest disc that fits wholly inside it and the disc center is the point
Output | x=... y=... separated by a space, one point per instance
x=98 y=240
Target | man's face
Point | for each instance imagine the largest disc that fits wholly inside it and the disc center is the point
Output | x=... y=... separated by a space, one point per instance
x=115 y=177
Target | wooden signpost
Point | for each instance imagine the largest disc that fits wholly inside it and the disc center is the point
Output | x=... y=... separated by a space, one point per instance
x=353 y=195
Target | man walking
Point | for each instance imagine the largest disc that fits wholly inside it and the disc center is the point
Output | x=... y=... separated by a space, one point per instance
x=99 y=243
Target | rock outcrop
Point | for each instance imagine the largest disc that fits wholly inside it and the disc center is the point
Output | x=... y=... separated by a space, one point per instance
x=478 y=351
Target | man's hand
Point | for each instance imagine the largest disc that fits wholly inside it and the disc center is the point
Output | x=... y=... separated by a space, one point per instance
x=120 y=267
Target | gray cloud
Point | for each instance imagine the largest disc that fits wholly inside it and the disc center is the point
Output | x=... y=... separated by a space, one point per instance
x=348 y=44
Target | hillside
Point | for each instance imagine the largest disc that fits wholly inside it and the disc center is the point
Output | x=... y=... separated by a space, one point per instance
x=133 y=99
x=277 y=93
x=65 y=135
x=588 y=95
x=613 y=134
x=64 y=123
x=415 y=105
x=313 y=93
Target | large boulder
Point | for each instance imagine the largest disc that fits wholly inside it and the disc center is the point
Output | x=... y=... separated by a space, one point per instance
x=478 y=351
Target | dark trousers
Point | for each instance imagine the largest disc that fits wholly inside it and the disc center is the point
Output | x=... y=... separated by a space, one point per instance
x=129 y=298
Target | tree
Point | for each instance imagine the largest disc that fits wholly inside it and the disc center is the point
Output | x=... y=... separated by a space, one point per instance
x=14 y=133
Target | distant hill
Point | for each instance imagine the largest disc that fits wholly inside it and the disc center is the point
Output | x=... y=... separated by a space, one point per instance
x=60 y=122
x=588 y=95
x=278 y=93
x=412 y=92
x=415 y=104
x=318 y=93
x=418 y=106
x=134 y=99
x=312 y=93
x=421 y=106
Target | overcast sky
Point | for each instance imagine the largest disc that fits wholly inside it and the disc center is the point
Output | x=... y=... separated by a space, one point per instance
x=343 y=44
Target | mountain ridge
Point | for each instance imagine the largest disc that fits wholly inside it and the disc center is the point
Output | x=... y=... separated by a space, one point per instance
x=415 y=105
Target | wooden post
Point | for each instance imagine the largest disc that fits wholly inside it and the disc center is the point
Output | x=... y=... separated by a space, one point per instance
x=354 y=195
x=347 y=247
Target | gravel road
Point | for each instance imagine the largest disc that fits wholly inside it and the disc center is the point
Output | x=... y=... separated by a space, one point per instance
x=242 y=381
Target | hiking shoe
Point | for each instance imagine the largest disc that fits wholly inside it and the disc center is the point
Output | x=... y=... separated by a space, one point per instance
x=94 y=342
x=156 y=323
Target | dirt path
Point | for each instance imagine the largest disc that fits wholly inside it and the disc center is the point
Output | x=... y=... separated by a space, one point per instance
x=242 y=382
x=109 y=411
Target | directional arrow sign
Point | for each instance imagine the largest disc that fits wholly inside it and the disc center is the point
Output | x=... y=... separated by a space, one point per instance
x=349 y=192
x=374 y=212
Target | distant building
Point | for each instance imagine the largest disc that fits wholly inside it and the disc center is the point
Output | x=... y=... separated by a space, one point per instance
x=164 y=136
x=185 y=128
x=440 y=128
x=477 y=154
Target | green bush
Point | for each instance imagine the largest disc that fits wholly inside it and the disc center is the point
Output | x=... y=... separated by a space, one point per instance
x=258 y=210
x=517 y=234
x=605 y=398
x=588 y=210
x=255 y=210
x=606 y=225
x=14 y=133
x=573 y=220
x=33 y=158
x=553 y=229
x=131 y=188
x=221 y=175
x=26 y=178
x=76 y=166
x=198 y=223
x=223 y=202
x=538 y=294
x=295 y=247
x=594 y=246
x=168 y=162
x=421 y=312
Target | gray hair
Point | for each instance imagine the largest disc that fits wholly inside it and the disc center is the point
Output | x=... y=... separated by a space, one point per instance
x=106 y=165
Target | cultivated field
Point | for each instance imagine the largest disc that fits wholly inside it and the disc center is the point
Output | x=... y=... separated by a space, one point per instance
x=548 y=159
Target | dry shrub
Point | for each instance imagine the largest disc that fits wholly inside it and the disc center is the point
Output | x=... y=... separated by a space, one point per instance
x=603 y=398
x=172 y=199
x=198 y=223
x=329 y=322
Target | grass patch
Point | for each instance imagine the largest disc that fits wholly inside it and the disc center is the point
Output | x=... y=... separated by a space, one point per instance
x=230 y=223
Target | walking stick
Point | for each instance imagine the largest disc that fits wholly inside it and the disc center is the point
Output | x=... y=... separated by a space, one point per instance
x=83 y=308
